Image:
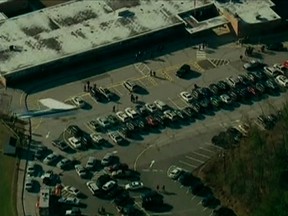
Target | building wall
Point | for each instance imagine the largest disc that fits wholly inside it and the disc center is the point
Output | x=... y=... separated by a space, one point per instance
x=13 y=6
x=234 y=22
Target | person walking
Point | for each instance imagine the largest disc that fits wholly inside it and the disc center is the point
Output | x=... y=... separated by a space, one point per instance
x=151 y=73
x=136 y=98
x=154 y=73
x=157 y=187
x=132 y=98
x=163 y=188
x=114 y=109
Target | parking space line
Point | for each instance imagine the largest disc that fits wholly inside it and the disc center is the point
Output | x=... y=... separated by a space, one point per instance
x=202 y=155
x=176 y=105
x=191 y=158
x=207 y=150
x=117 y=91
x=204 y=209
x=183 y=100
x=93 y=99
x=193 y=197
x=187 y=164
x=167 y=76
x=140 y=207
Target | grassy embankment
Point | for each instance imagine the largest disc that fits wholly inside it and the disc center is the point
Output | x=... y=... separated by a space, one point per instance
x=252 y=179
x=8 y=180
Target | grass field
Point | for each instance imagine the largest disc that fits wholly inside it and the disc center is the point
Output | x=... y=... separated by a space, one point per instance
x=7 y=181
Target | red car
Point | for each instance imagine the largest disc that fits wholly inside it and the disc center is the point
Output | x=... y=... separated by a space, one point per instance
x=285 y=64
x=152 y=121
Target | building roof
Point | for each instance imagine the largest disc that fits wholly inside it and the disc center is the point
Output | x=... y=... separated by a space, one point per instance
x=77 y=26
x=252 y=11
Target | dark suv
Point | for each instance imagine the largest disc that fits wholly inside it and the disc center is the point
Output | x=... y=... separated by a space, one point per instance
x=183 y=71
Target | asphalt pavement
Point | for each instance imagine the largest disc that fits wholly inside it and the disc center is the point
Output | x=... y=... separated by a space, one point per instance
x=188 y=146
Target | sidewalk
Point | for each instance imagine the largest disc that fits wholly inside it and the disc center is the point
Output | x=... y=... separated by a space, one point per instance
x=20 y=189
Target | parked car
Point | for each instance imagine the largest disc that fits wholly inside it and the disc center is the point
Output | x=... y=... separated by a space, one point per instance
x=78 y=101
x=51 y=158
x=116 y=137
x=90 y=163
x=30 y=168
x=75 y=142
x=41 y=152
x=226 y=98
x=95 y=126
x=97 y=138
x=175 y=172
x=80 y=170
x=72 y=190
x=109 y=185
x=123 y=117
x=106 y=92
x=131 y=113
x=135 y=185
x=92 y=186
x=277 y=46
x=253 y=64
x=171 y=115
x=130 y=86
x=282 y=81
x=69 y=200
x=74 y=130
x=29 y=184
x=60 y=144
x=109 y=159
x=272 y=71
x=161 y=105
x=104 y=122
x=280 y=67
x=183 y=71
x=151 y=107
x=232 y=81
x=64 y=163
x=186 y=96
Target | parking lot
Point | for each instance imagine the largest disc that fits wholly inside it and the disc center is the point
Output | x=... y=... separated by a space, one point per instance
x=187 y=145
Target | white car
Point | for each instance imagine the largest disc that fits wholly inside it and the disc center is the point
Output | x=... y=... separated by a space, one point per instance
x=161 y=105
x=50 y=158
x=97 y=138
x=29 y=184
x=280 y=67
x=232 y=81
x=81 y=171
x=122 y=116
x=170 y=115
x=75 y=142
x=254 y=63
x=243 y=128
x=175 y=172
x=151 y=107
x=109 y=185
x=91 y=163
x=116 y=137
x=226 y=98
x=92 y=186
x=281 y=80
x=272 y=71
x=103 y=122
x=72 y=190
x=186 y=96
x=31 y=168
x=78 y=101
x=135 y=185
x=131 y=113
x=69 y=200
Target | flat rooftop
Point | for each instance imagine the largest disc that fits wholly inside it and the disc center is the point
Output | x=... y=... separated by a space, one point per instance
x=78 y=26
x=252 y=11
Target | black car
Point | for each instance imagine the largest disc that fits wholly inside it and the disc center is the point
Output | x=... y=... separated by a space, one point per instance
x=74 y=130
x=95 y=126
x=271 y=86
x=186 y=179
x=210 y=200
x=259 y=76
x=141 y=109
x=60 y=144
x=151 y=199
x=189 y=112
x=222 y=86
x=122 y=198
x=214 y=89
x=195 y=106
x=41 y=153
x=183 y=71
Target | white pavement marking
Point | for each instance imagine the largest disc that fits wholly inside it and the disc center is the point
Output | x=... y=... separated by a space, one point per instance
x=193 y=197
x=145 y=170
x=140 y=207
x=207 y=150
x=199 y=203
x=154 y=170
x=47 y=135
x=115 y=152
x=187 y=164
x=204 y=209
x=191 y=158
x=152 y=163
x=176 y=105
x=202 y=155
x=141 y=153
x=187 y=191
x=117 y=91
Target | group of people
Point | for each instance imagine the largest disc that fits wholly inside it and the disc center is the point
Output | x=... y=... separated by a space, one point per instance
x=152 y=73
x=133 y=99
x=88 y=87
x=158 y=188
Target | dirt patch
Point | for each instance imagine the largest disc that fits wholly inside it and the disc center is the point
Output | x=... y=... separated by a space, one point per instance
x=51 y=43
